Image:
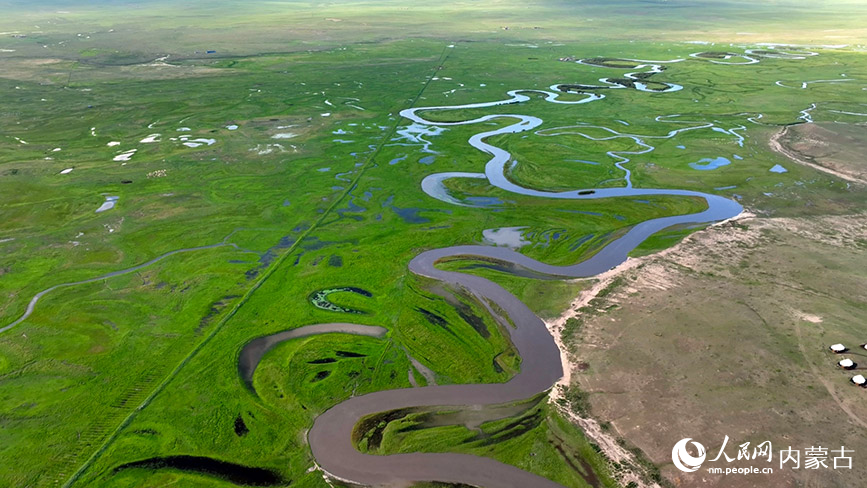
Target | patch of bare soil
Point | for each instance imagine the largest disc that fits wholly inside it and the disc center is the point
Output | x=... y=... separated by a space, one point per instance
x=727 y=334
x=37 y=70
x=836 y=149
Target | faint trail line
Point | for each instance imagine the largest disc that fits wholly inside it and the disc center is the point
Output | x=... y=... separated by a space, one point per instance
x=778 y=147
x=246 y=297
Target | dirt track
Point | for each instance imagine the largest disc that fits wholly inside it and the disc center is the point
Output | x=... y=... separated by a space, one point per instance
x=776 y=144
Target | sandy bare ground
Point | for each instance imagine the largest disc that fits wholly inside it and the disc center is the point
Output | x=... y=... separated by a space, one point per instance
x=840 y=172
x=606 y=441
x=727 y=334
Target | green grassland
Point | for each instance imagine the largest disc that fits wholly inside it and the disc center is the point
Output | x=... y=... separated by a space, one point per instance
x=145 y=364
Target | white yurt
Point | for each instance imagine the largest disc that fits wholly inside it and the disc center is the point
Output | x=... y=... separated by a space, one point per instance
x=846 y=363
x=859 y=380
x=838 y=348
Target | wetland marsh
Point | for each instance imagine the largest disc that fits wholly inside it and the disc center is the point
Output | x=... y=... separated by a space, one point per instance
x=261 y=275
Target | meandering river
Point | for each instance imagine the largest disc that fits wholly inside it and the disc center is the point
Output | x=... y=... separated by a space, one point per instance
x=331 y=436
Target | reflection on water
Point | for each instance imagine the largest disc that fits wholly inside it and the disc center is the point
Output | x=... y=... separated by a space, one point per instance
x=778 y=169
x=709 y=164
x=108 y=204
x=512 y=237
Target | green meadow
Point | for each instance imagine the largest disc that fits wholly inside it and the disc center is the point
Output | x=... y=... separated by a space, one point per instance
x=283 y=150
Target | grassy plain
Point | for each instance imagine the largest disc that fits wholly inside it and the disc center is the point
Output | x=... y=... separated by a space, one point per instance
x=145 y=364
